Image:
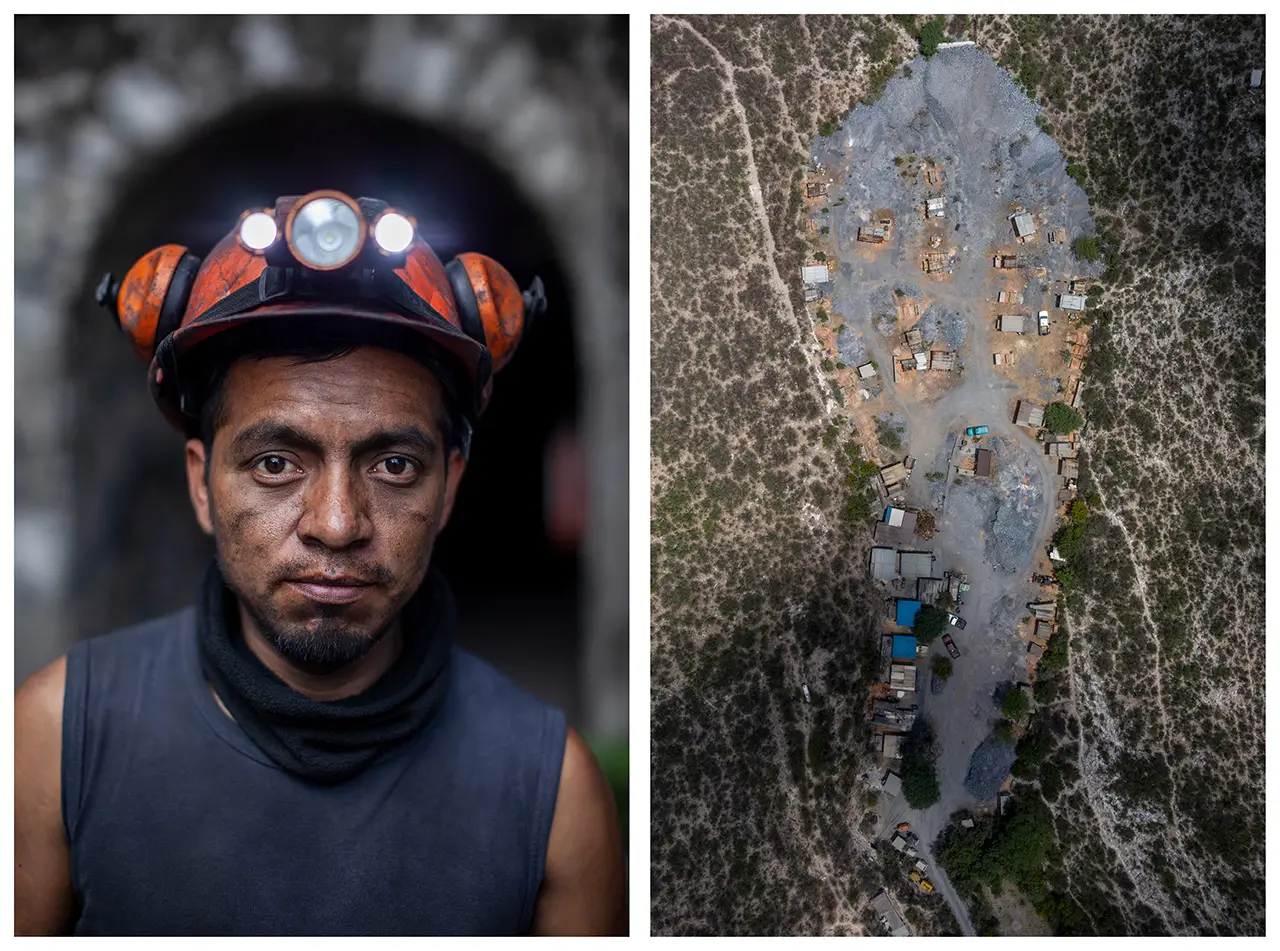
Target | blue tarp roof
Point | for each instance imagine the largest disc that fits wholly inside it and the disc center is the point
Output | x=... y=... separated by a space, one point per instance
x=907 y=611
x=904 y=646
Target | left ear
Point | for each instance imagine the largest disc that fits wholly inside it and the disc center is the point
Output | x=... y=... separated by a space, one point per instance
x=457 y=465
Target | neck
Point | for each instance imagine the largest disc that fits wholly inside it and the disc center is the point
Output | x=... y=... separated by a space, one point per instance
x=348 y=681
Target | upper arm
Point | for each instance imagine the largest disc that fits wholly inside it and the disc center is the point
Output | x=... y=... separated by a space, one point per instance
x=44 y=898
x=584 y=886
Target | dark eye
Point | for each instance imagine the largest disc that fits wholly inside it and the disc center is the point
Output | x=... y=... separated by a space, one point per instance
x=274 y=466
x=397 y=466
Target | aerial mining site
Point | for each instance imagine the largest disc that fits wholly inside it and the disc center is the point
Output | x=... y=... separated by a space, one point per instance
x=956 y=377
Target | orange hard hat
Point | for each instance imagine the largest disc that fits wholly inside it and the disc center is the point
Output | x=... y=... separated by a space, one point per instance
x=323 y=254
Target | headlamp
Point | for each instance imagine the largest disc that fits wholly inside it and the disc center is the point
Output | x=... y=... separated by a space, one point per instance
x=325 y=230
x=393 y=232
x=258 y=231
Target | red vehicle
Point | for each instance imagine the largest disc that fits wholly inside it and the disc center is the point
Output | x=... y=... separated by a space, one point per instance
x=950 y=645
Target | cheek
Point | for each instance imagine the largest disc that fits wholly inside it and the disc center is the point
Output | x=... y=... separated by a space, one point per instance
x=250 y=526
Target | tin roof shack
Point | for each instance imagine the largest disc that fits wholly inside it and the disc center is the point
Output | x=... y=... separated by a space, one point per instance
x=1035 y=650
x=898 y=526
x=1005 y=262
x=812 y=293
x=935 y=207
x=894 y=477
x=889 y=916
x=1013 y=324
x=1029 y=414
x=816 y=189
x=873 y=234
x=1078 y=398
x=867 y=371
x=1069 y=468
x=922 y=359
x=891 y=783
x=1059 y=448
x=1044 y=610
x=915 y=564
x=1043 y=631
x=890 y=717
x=906 y=612
x=883 y=564
x=902 y=677
x=891 y=745
x=1071 y=301
x=1255 y=79
x=1009 y=297
x=943 y=360
x=914 y=339
x=904 y=648
x=928 y=589
x=1023 y=226
x=815 y=274
x=982 y=462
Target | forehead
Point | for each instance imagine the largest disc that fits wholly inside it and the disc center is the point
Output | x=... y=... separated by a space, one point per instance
x=365 y=389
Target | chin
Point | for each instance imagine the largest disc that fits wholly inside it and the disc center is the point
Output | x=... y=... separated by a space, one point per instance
x=321 y=647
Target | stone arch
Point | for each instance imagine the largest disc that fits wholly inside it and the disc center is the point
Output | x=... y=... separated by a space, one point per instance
x=112 y=96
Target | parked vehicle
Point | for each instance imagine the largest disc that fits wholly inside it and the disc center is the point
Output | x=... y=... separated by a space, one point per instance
x=950 y=645
x=976 y=431
x=956 y=620
x=926 y=886
x=1044 y=323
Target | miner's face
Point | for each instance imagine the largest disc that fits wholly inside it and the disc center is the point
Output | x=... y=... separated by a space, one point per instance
x=327 y=486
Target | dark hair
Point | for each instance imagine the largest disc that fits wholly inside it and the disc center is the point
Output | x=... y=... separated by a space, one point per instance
x=321 y=340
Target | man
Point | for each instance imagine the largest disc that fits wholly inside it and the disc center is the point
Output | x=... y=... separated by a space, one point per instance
x=304 y=751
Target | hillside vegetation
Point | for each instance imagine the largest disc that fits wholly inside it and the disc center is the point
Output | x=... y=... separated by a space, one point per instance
x=1150 y=760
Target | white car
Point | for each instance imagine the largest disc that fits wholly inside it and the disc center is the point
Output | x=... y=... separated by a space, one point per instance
x=1044 y=323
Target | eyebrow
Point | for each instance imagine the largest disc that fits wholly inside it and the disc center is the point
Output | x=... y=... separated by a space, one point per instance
x=270 y=432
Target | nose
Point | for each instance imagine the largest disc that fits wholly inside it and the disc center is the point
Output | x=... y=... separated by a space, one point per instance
x=335 y=513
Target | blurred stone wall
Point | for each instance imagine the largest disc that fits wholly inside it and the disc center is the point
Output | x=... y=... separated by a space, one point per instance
x=97 y=97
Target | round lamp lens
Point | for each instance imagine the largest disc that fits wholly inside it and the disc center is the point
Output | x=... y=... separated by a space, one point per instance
x=393 y=232
x=258 y=231
x=326 y=233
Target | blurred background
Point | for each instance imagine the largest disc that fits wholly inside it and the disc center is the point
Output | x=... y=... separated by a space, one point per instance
x=503 y=135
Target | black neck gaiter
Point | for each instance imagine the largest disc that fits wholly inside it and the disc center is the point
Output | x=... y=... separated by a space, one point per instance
x=328 y=742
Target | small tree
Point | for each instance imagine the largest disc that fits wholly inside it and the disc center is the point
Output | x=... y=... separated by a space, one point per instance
x=1079 y=512
x=1016 y=704
x=1061 y=418
x=931 y=34
x=930 y=624
x=942 y=668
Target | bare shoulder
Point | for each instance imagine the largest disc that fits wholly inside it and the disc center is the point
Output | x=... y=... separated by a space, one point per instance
x=43 y=894
x=41 y=694
x=584 y=885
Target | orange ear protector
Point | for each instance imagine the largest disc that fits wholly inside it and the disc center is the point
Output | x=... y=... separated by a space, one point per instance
x=334 y=256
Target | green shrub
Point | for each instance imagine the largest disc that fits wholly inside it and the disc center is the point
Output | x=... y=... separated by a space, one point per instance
x=1079 y=512
x=1016 y=704
x=1086 y=248
x=919 y=774
x=930 y=35
x=1004 y=732
x=1061 y=418
x=942 y=668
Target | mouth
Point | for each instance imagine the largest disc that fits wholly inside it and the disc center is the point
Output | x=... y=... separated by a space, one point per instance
x=331 y=590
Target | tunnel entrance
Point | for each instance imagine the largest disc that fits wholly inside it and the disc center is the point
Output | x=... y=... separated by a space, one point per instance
x=138 y=552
